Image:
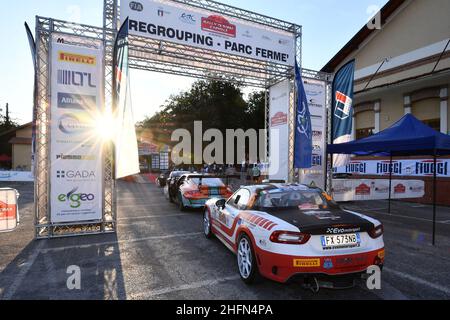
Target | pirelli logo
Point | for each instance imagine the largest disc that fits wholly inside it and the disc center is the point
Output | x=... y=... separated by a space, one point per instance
x=306 y=263
x=77 y=58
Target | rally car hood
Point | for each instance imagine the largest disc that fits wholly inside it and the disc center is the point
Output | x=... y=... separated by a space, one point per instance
x=322 y=221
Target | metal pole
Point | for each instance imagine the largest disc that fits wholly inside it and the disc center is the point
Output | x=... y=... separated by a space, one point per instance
x=434 y=198
x=390 y=182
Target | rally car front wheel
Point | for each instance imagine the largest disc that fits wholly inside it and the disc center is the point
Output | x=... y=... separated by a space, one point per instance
x=246 y=260
x=180 y=202
x=206 y=224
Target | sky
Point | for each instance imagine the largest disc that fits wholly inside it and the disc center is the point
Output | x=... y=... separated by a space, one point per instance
x=327 y=26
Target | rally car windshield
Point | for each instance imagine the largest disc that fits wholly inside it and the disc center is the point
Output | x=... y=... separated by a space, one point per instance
x=301 y=199
x=208 y=181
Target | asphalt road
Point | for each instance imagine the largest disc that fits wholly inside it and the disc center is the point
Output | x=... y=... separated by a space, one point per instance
x=161 y=253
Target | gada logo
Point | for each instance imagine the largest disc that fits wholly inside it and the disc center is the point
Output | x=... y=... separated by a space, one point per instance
x=70 y=124
x=75 y=174
x=76 y=58
x=219 y=25
x=75 y=199
x=136 y=6
x=75 y=78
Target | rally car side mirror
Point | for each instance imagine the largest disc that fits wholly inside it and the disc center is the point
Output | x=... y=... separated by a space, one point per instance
x=220 y=204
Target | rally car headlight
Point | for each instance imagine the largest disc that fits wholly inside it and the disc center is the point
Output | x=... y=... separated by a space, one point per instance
x=376 y=232
x=289 y=237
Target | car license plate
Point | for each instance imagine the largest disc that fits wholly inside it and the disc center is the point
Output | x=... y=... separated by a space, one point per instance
x=341 y=241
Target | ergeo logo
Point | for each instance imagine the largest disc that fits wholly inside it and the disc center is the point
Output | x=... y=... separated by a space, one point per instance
x=75 y=199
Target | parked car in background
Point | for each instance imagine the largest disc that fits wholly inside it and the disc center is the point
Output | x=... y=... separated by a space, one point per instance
x=161 y=180
x=171 y=183
x=193 y=190
x=281 y=231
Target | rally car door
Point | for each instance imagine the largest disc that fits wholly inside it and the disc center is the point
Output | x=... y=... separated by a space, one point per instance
x=233 y=206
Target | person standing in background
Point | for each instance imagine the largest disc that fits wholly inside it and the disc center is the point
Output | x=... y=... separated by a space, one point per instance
x=256 y=172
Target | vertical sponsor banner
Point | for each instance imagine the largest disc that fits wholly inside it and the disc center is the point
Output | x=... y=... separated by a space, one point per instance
x=342 y=104
x=316 y=95
x=126 y=147
x=76 y=150
x=279 y=131
x=303 y=129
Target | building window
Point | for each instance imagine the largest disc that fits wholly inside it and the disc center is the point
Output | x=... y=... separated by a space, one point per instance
x=364 y=123
x=433 y=123
x=364 y=132
x=428 y=111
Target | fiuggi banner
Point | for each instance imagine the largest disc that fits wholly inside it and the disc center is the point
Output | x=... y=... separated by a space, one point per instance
x=405 y=167
x=207 y=30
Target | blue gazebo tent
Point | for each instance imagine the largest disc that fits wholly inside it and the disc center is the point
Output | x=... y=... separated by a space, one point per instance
x=408 y=136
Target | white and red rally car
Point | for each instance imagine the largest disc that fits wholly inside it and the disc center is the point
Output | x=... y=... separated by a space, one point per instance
x=284 y=230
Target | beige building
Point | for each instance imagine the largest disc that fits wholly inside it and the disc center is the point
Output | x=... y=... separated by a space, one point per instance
x=403 y=67
x=20 y=141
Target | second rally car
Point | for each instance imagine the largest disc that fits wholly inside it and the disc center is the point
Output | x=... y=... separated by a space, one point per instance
x=281 y=231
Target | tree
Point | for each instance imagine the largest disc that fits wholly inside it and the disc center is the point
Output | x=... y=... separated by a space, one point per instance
x=217 y=104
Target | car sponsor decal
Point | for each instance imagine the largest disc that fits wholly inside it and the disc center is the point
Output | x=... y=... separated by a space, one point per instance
x=306 y=263
x=328 y=263
x=250 y=218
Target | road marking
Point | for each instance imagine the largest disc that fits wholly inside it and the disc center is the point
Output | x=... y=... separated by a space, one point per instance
x=133 y=198
x=24 y=268
x=105 y=243
x=193 y=285
x=418 y=280
x=154 y=216
x=141 y=205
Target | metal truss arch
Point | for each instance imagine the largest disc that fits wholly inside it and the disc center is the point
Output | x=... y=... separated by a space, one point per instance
x=151 y=55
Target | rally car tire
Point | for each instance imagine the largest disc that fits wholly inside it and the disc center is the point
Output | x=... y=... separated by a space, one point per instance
x=207 y=224
x=180 y=200
x=246 y=260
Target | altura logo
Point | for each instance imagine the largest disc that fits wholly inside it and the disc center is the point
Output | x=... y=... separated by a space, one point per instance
x=75 y=199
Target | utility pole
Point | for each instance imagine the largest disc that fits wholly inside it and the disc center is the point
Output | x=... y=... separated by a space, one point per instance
x=7 y=119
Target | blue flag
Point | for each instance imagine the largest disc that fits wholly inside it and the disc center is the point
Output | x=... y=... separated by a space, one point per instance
x=342 y=104
x=303 y=130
